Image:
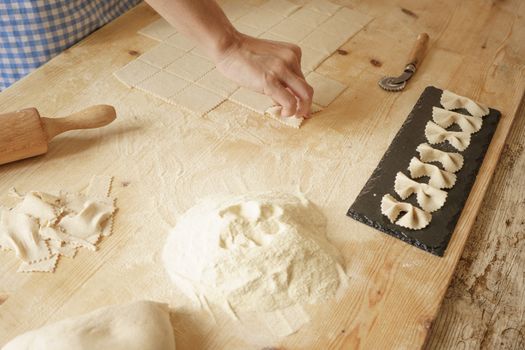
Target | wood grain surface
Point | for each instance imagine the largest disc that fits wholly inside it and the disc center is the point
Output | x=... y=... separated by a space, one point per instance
x=163 y=159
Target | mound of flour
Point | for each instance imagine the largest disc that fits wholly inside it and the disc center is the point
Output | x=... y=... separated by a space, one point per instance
x=255 y=252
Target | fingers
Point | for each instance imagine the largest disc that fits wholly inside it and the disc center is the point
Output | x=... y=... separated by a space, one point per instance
x=302 y=91
x=278 y=92
x=289 y=89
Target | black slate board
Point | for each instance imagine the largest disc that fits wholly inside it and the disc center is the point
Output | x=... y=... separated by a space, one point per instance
x=435 y=237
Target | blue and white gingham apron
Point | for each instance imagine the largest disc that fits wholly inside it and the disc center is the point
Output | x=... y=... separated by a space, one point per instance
x=34 y=31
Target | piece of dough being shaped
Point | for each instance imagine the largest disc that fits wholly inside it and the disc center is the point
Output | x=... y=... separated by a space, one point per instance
x=141 y=325
x=445 y=118
x=436 y=134
x=450 y=100
x=429 y=198
x=450 y=161
x=414 y=218
x=438 y=178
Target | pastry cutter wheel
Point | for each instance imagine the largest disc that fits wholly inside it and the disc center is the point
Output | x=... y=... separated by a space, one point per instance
x=416 y=55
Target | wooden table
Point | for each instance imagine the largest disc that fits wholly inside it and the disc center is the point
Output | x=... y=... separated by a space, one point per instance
x=163 y=159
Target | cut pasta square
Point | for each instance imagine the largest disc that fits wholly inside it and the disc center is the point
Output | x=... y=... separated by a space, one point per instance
x=309 y=17
x=282 y=7
x=261 y=19
x=163 y=84
x=180 y=41
x=197 y=51
x=340 y=29
x=248 y=30
x=311 y=59
x=216 y=82
x=196 y=99
x=323 y=42
x=292 y=30
x=161 y=55
x=352 y=17
x=323 y=6
x=272 y=36
x=190 y=67
x=158 y=30
x=253 y=100
x=325 y=89
x=135 y=72
x=235 y=10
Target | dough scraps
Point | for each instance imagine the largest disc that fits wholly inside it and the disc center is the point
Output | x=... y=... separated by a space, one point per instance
x=445 y=118
x=436 y=134
x=320 y=27
x=450 y=161
x=41 y=227
x=450 y=101
x=140 y=325
x=438 y=178
x=428 y=197
x=414 y=218
x=257 y=252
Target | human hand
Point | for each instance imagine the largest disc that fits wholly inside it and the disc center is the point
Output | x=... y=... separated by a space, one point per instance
x=269 y=67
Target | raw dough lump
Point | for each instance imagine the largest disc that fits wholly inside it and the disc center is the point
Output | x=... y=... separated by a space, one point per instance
x=255 y=252
x=429 y=198
x=414 y=218
x=141 y=325
x=450 y=101
x=450 y=161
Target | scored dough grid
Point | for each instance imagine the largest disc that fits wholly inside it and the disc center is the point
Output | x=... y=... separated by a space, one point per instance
x=319 y=27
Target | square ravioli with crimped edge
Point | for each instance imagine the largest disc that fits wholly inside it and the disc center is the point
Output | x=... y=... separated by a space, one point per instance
x=435 y=237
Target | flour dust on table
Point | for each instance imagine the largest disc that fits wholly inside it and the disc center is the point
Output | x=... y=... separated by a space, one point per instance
x=177 y=72
x=257 y=252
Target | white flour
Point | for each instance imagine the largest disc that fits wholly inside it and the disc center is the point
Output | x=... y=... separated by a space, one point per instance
x=255 y=252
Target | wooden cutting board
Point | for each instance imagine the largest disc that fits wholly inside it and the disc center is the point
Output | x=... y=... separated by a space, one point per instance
x=163 y=159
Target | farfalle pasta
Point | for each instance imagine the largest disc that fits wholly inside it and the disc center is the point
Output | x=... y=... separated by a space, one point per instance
x=450 y=161
x=445 y=118
x=438 y=178
x=451 y=101
x=414 y=218
x=428 y=197
x=436 y=134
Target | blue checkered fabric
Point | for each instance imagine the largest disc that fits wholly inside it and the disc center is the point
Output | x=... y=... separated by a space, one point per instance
x=34 y=31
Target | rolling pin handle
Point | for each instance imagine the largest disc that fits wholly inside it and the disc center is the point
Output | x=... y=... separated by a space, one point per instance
x=91 y=117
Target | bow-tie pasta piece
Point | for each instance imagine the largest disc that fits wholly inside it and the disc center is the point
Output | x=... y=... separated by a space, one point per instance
x=414 y=218
x=438 y=178
x=450 y=161
x=450 y=101
x=445 y=118
x=436 y=134
x=428 y=197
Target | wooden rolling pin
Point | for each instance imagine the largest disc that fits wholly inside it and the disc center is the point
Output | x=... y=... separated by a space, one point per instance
x=25 y=133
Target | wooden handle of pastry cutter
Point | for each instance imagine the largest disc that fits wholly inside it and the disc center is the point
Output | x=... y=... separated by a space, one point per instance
x=89 y=118
x=420 y=46
x=25 y=134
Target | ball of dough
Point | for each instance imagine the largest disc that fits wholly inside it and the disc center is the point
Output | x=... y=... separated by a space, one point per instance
x=141 y=325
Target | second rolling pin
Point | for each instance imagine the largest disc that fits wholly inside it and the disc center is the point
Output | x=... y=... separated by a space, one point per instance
x=25 y=133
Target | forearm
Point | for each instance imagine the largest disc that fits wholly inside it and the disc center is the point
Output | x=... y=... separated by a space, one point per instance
x=201 y=20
